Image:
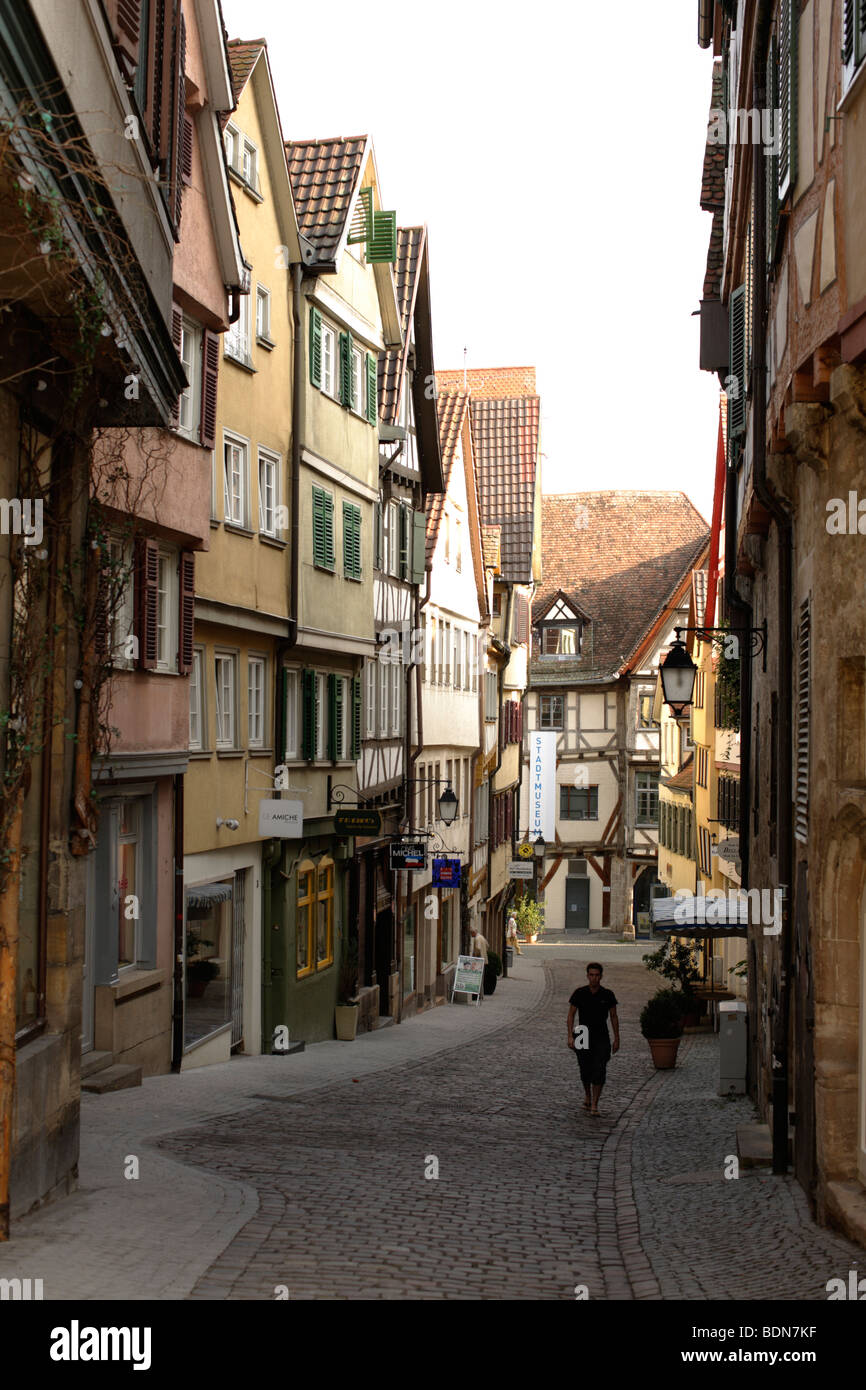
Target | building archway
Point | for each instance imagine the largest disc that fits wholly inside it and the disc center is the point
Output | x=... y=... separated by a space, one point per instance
x=642 y=893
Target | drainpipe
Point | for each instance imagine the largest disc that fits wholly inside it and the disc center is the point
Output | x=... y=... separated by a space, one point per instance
x=298 y=422
x=177 y=1004
x=781 y=514
x=500 y=685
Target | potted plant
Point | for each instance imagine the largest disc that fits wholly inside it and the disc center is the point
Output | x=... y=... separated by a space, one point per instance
x=199 y=972
x=492 y=971
x=677 y=961
x=346 y=1011
x=530 y=918
x=661 y=1023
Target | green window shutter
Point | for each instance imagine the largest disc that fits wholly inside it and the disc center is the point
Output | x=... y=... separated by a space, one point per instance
x=347 y=384
x=351 y=540
x=318 y=527
x=378 y=538
x=329 y=531
x=315 y=347
x=789 y=11
x=356 y=718
x=372 y=387
x=772 y=164
x=382 y=245
x=333 y=721
x=419 y=547
x=309 y=720
x=404 y=541
x=361 y=226
x=737 y=393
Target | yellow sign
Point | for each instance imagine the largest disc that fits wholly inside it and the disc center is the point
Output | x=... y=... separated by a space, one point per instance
x=525 y=851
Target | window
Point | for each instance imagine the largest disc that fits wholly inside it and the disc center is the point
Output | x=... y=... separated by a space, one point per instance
x=370 y=699
x=329 y=360
x=237 y=339
x=119 y=599
x=550 y=712
x=853 y=40
x=702 y=766
x=458 y=659
x=706 y=858
x=269 y=492
x=465 y=786
x=235 y=475
x=392 y=539
x=321 y=716
x=196 y=701
x=189 y=405
x=323 y=529
x=396 y=697
x=561 y=641
x=167 y=612
x=325 y=916
x=128 y=850
x=263 y=314
x=647 y=797
x=497 y=603
x=490 y=696
x=447 y=526
x=447 y=644
x=256 y=702
x=358 y=402
x=578 y=803
x=305 y=909
x=458 y=545
x=230 y=139
x=700 y=684
x=384 y=699
x=290 y=714
x=645 y=711
x=351 y=540
x=249 y=164
x=225 y=669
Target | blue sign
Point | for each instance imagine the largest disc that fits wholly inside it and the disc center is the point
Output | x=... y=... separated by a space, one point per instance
x=446 y=873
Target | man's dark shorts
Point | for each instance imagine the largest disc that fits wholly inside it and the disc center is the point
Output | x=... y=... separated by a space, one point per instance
x=593 y=1061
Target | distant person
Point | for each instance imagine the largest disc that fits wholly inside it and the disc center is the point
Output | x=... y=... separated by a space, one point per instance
x=511 y=933
x=593 y=1003
x=478 y=944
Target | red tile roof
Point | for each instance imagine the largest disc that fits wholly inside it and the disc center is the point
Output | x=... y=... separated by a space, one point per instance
x=505 y=438
x=684 y=780
x=410 y=244
x=243 y=54
x=490 y=383
x=451 y=407
x=323 y=175
x=620 y=556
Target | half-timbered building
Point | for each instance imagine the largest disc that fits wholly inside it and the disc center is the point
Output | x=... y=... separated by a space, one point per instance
x=616 y=570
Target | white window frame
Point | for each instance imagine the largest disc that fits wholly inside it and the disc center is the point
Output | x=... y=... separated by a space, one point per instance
x=359 y=377
x=189 y=404
x=236 y=441
x=197 y=702
x=384 y=699
x=269 y=457
x=263 y=319
x=396 y=696
x=167 y=603
x=370 y=685
x=236 y=341
x=231 y=134
x=249 y=166
x=291 y=751
x=122 y=619
x=330 y=374
x=226 y=718
x=322 y=720
x=256 y=700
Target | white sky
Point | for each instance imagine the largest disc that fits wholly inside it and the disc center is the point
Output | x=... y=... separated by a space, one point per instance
x=555 y=154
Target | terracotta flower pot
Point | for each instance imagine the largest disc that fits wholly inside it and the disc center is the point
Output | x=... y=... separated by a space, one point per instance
x=664 y=1052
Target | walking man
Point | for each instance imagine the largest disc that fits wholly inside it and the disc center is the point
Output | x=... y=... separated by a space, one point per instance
x=511 y=931
x=592 y=1004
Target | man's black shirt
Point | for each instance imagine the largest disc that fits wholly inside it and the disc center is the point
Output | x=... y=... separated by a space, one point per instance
x=593 y=1009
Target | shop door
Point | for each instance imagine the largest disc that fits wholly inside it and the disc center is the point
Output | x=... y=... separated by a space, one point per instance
x=577 y=904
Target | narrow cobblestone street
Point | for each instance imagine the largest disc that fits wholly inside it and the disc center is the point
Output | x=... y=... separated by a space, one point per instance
x=533 y=1197
x=309 y=1172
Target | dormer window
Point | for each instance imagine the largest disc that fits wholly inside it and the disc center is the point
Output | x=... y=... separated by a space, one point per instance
x=560 y=639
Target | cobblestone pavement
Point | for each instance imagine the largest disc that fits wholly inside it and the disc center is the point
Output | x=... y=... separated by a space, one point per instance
x=533 y=1199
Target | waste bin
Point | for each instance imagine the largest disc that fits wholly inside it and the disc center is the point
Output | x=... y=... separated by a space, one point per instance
x=509 y=956
x=733 y=1047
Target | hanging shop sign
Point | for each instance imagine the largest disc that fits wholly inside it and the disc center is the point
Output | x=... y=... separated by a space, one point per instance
x=446 y=873
x=542 y=784
x=281 y=820
x=357 y=822
x=407 y=853
x=520 y=868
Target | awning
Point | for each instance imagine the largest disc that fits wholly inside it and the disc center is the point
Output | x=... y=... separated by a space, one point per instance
x=206 y=894
x=702 y=916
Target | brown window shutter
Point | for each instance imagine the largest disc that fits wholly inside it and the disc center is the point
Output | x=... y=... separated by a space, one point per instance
x=187 y=612
x=147 y=583
x=124 y=17
x=179 y=128
x=160 y=46
x=187 y=149
x=210 y=375
x=100 y=610
x=177 y=339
